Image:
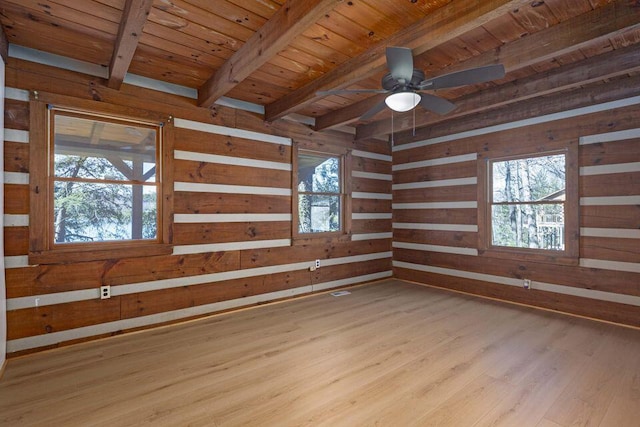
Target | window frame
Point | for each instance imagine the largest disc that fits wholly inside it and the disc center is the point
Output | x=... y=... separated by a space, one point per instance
x=42 y=248
x=344 y=234
x=570 y=254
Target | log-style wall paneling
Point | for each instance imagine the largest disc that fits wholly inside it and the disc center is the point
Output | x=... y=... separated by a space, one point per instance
x=231 y=223
x=435 y=226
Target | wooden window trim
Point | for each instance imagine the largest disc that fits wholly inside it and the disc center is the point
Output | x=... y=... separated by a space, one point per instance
x=344 y=235
x=41 y=250
x=570 y=256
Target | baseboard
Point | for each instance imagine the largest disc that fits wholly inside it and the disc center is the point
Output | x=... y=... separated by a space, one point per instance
x=2 y=368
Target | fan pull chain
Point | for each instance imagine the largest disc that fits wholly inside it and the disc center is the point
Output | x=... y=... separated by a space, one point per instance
x=414 y=122
x=392 y=141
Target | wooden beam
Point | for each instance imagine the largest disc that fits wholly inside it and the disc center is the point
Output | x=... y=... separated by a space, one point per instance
x=134 y=16
x=347 y=114
x=444 y=24
x=4 y=45
x=591 y=70
x=293 y=17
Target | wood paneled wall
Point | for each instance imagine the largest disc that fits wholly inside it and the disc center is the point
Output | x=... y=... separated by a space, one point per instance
x=231 y=227
x=435 y=208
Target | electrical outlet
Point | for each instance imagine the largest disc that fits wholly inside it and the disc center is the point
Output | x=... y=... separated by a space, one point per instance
x=317 y=263
x=105 y=292
x=526 y=283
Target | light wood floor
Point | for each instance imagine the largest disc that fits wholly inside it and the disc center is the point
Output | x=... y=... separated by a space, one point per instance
x=389 y=354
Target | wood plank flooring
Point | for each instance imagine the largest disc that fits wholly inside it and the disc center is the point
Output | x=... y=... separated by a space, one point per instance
x=388 y=354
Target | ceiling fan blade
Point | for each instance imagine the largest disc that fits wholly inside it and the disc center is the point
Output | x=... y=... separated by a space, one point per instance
x=400 y=63
x=436 y=104
x=465 y=77
x=345 y=91
x=374 y=110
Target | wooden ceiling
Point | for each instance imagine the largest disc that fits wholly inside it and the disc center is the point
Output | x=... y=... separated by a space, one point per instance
x=278 y=53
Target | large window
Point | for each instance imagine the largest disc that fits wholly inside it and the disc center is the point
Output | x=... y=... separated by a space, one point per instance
x=97 y=184
x=528 y=206
x=320 y=199
x=104 y=175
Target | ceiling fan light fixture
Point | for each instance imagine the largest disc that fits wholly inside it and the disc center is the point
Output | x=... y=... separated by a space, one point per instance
x=402 y=101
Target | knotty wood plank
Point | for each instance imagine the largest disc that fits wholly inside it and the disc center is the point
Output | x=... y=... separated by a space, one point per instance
x=370 y=205
x=16 y=199
x=193 y=202
x=435 y=173
x=436 y=216
x=614 y=184
x=461 y=239
x=371 y=226
x=605 y=217
x=189 y=234
x=216 y=173
x=16 y=114
x=16 y=241
x=453 y=193
x=16 y=157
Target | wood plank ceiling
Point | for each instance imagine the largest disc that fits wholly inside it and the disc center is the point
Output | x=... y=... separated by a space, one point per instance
x=278 y=53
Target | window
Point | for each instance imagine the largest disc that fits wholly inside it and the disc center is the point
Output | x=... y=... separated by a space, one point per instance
x=528 y=202
x=97 y=181
x=104 y=179
x=528 y=206
x=320 y=196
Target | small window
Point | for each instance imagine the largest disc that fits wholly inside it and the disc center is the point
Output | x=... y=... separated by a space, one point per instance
x=321 y=195
x=528 y=206
x=104 y=176
x=320 y=198
x=528 y=198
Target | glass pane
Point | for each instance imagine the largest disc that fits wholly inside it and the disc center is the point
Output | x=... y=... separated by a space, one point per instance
x=531 y=179
x=93 y=212
x=318 y=214
x=318 y=173
x=93 y=149
x=528 y=226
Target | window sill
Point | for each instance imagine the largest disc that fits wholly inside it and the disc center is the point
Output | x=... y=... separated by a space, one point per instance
x=82 y=254
x=531 y=255
x=327 y=238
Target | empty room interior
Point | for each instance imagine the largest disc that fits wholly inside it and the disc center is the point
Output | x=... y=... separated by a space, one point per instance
x=320 y=212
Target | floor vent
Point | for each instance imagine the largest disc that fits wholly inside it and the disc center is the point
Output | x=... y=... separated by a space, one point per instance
x=340 y=293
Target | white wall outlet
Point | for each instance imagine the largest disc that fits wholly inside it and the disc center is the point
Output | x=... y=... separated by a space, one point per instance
x=317 y=263
x=105 y=292
x=526 y=283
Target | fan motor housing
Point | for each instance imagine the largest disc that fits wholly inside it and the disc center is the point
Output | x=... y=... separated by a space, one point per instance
x=390 y=83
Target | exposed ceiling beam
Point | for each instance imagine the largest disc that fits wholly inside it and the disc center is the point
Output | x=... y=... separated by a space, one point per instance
x=570 y=35
x=293 y=18
x=4 y=45
x=443 y=24
x=347 y=114
x=134 y=16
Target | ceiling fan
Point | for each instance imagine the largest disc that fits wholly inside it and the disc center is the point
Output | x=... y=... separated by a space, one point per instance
x=406 y=85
